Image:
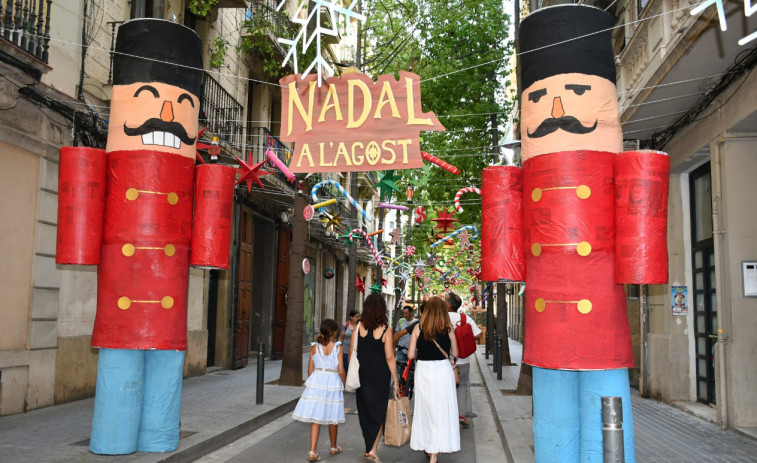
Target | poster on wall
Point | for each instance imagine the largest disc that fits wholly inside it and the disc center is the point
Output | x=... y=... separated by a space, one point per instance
x=680 y=300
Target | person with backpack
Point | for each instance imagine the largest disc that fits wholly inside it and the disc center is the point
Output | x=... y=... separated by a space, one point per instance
x=466 y=332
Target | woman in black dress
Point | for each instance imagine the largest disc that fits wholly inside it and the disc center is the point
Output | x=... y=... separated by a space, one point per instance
x=375 y=351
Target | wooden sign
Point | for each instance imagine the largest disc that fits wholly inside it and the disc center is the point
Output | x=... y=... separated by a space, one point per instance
x=353 y=124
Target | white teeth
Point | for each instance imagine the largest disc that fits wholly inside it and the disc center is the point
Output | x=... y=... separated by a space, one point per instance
x=162 y=139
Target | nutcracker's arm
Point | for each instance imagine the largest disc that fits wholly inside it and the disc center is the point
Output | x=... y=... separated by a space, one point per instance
x=641 y=217
x=81 y=205
x=502 y=253
x=211 y=228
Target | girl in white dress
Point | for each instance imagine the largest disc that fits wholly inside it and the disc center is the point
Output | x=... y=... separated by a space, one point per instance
x=322 y=401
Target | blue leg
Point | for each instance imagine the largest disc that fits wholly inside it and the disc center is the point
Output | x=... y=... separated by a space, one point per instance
x=556 y=416
x=118 y=401
x=161 y=410
x=594 y=386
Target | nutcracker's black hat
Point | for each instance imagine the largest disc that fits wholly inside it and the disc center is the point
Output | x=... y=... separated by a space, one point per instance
x=155 y=50
x=565 y=39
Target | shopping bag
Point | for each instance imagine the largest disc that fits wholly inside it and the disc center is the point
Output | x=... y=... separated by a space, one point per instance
x=353 y=376
x=399 y=422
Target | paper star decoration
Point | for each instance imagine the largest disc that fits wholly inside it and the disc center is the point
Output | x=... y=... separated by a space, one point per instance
x=444 y=220
x=404 y=276
x=360 y=285
x=386 y=184
x=376 y=288
x=377 y=258
x=464 y=238
x=396 y=235
x=251 y=173
x=333 y=223
x=383 y=281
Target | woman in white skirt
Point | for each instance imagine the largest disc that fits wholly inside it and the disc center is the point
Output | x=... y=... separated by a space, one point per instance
x=435 y=418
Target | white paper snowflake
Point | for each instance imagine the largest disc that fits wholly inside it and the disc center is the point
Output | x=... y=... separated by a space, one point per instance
x=314 y=17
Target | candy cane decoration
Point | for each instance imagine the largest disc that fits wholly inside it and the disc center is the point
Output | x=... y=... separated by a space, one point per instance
x=455 y=233
x=438 y=162
x=328 y=202
x=452 y=259
x=280 y=165
x=370 y=245
x=468 y=189
x=398 y=207
x=344 y=193
x=420 y=214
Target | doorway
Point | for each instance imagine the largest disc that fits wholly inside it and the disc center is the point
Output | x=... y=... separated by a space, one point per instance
x=241 y=317
x=704 y=290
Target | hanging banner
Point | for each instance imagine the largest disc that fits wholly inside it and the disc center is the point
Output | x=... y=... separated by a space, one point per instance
x=680 y=300
x=352 y=124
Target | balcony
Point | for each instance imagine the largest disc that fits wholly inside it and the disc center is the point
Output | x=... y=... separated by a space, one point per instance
x=27 y=26
x=221 y=114
x=262 y=17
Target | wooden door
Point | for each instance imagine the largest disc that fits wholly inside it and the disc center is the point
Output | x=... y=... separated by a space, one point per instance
x=282 y=286
x=244 y=291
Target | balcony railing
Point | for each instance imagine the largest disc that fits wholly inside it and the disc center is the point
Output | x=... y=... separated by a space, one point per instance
x=26 y=24
x=260 y=139
x=221 y=114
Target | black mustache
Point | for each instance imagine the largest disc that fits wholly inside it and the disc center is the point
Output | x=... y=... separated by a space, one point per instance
x=158 y=125
x=567 y=123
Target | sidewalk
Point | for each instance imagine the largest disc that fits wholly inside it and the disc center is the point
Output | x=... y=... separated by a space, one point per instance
x=217 y=409
x=663 y=433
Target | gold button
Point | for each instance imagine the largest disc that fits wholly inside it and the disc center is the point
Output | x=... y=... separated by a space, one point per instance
x=124 y=303
x=132 y=194
x=540 y=305
x=167 y=302
x=583 y=192
x=584 y=306
x=536 y=249
x=128 y=249
x=583 y=248
x=170 y=250
x=173 y=198
x=536 y=194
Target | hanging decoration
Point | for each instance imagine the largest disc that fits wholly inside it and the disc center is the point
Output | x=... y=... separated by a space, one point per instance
x=323 y=204
x=251 y=173
x=444 y=220
x=420 y=214
x=341 y=189
x=468 y=189
x=376 y=288
x=279 y=165
x=410 y=251
x=359 y=284
x=332 y=223
x=398 y=207
x=376 y=255
x=464 y=239
x=438 y=162
x=353 y=124
x=455 y=233
x=387 y=185
x=396 y=236
x=328 y=273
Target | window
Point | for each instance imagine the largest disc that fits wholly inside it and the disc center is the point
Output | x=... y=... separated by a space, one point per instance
x=641 y=4
x=148 y=9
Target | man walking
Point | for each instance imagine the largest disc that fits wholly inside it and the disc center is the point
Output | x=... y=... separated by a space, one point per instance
x=404 y=341
x=463 y=364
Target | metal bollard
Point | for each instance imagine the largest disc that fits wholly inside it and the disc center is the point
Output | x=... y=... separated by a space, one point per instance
x=261 y=374
x=499 y=357
x=612 y=430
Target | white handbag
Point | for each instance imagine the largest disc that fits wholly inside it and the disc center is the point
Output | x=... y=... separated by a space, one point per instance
x=353 y=376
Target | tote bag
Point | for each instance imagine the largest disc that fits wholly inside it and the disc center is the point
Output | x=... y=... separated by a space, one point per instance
x=399 y=422
x=353 y=375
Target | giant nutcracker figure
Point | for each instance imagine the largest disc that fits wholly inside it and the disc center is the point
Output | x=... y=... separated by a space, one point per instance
x=132 y=210
x=575 y=223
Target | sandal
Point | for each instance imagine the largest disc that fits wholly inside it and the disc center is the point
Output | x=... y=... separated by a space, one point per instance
x=313 y=456
x=371 y=458
x=336 y=450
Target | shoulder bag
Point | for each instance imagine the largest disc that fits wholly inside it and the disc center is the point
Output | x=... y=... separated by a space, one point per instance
x=353 y=375
x=454 y=367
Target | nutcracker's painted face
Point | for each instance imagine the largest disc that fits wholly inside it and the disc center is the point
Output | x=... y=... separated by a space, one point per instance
x=569 y=112
x=153 y=116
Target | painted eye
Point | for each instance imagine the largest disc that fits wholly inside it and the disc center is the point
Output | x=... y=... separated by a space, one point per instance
x=578 y=89
x=536 y=95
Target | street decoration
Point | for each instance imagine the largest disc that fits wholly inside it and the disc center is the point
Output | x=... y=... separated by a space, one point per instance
x=420 y=214
x=591 y=221
x=353 y=124
x=396 y=236
x=459 y=194
x=323 y=204
x=251 y=173
x=438 y=162
x=409 y=251
x=387 y=185
x=143 y=212
x=376 y=288
x=280 y=165
x=332 y=223
x=376 y=255
x=455 y=233
x=398 y=207
x=306 y=266
x=749 y=9
x=360 y=284
x=341 y=189
x=465 y=238
x=444 y=220
x=329 y=273
x=308 y=212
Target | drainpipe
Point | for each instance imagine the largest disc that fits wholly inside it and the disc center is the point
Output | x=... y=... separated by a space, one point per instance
x=721 y=387
x=233 y=270
x=645 y=338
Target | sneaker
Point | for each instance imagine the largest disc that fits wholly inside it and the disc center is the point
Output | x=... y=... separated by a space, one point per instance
x=464 y=421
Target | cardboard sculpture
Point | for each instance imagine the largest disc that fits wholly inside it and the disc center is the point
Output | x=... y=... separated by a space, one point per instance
x=129 y=209
x=575 y=223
